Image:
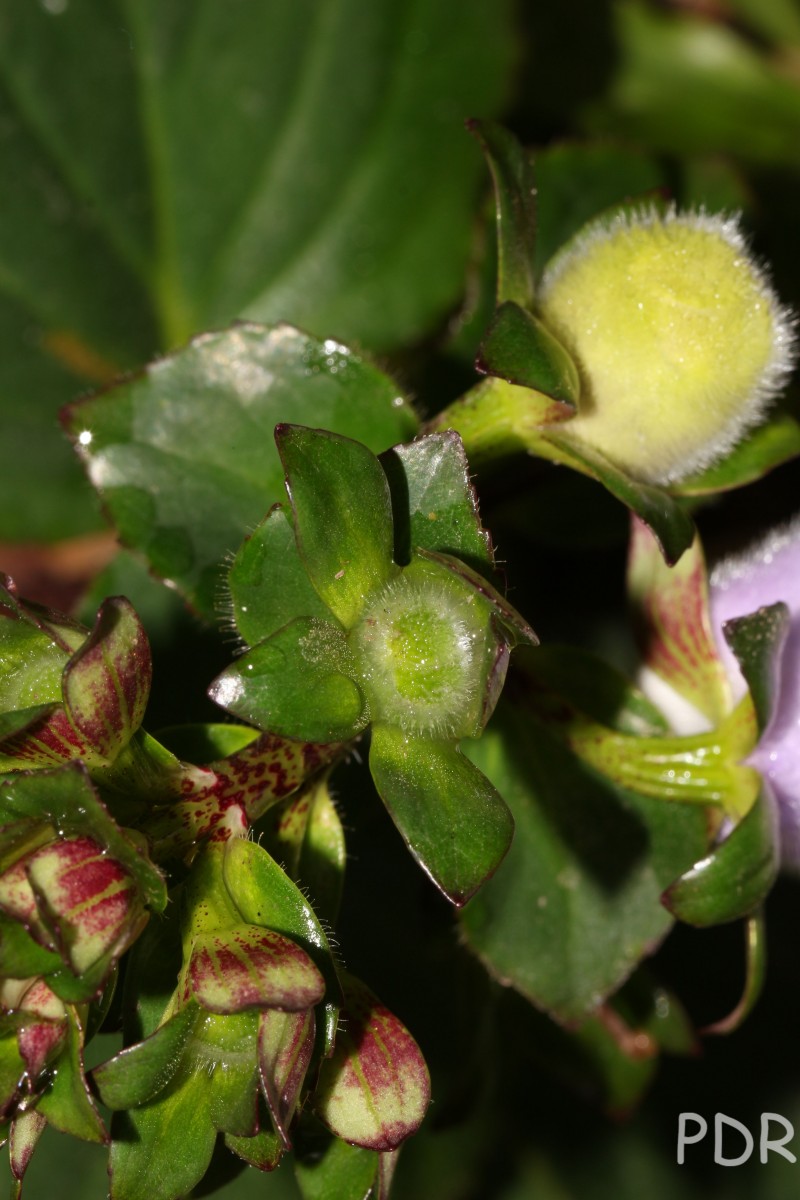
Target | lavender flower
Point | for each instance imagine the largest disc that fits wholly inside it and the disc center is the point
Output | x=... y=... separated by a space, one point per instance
x=769 y=571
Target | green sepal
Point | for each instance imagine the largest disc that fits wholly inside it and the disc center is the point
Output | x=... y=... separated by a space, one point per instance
x=299 y=683
x=268 y=581
x=515 y=199
x=20 y=956
x=265 y=895
x=768 y=446
x=306 y=835
x=342 y=513
x=736 y=877
x=138 y=1073
x=454 y=822
x=433 y=501
x=513 y=623
x=519 y=349
x=67 y=1103
x=671 y=524
x=264 y=1150
x=757 y=641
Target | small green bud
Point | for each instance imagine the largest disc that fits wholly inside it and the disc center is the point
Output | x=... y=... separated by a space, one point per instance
x=678 y=335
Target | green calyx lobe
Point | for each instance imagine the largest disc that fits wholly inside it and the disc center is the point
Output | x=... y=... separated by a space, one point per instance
x=425 y=645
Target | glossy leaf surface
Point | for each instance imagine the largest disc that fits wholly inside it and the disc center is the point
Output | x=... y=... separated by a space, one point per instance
x=307 y=208
x=183 y=454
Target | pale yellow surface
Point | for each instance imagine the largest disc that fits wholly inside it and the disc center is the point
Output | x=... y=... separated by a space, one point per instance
x=674 y=330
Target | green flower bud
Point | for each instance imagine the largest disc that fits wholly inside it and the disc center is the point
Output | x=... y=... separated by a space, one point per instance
x=678 y=335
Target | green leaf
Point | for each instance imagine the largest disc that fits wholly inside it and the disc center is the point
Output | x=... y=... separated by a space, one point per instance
x=335 y=1170
x=183 y=454
x=306 y=835
x=252 y=967
x=107 y=682
x=733 y=880
x=163 y=1148
x=263 y=1151
x=576 y=904
x=375 y=1089
x=271 y=684
x=515 y=201
x=452 y=819
x=766 y=447
x=268 y=581
x=264 y=895
x=757 y=641
x=307 y=209
x=20 y=956
x=138 y=1073
x=673 y=623
x=68 y=1104
x=343 y=516
x=521 y=350
x=434 y=504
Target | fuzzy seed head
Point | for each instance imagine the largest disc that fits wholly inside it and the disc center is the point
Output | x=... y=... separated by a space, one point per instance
x=678 y=336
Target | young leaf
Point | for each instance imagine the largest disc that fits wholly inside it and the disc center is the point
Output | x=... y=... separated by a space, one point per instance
x=285 y=1045
x=268 y=581
x=453 y=820
x=375 y=1089
x=342 y=513
x=515 y=201
x=68 y=1104
x=139 y=1072
x=519 y=349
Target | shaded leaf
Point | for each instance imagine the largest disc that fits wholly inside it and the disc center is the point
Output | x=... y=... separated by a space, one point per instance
x=767 y=446
x=452 y=819
x=183 y=454
x=576 y=904
x=336 y=1171
x=342 y=514
x=264 y=1150
x=375 y=1089
x=270 y=684
x=515 y=202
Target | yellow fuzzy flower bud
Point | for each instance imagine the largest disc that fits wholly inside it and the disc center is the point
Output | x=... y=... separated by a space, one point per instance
x=679 y=338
